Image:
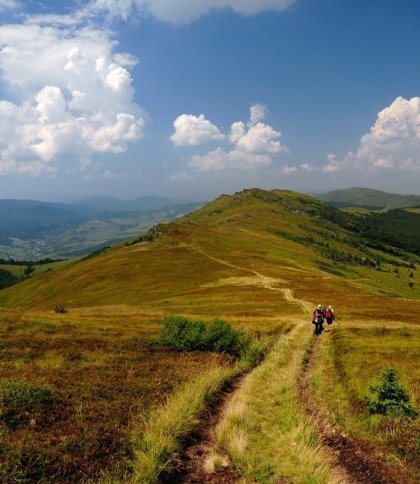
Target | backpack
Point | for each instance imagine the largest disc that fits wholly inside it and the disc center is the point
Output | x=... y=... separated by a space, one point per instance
x=328 y=314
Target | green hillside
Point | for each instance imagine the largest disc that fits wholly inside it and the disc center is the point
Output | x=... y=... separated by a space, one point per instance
x=286 y=236
x=368 y=198
x=98 y=397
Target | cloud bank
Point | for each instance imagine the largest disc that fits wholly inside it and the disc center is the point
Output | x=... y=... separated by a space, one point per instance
x=72 y=97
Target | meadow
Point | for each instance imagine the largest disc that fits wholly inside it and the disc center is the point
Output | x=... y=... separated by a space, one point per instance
x=104 y=371
x=260 y=261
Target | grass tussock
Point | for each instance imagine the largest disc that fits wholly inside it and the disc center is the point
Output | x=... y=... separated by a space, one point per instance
x=264 y=433
x=157 y=441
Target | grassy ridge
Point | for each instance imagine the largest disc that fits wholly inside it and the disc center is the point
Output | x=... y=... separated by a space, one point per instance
x=233 y=237
x=366 y=197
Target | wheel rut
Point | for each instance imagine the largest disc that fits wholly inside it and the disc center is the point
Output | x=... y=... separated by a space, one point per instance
x=360 y=462
x=190 y=466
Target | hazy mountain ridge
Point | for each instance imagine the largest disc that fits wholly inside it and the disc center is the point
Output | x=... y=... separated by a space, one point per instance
x=31 y=229
x=368 y=198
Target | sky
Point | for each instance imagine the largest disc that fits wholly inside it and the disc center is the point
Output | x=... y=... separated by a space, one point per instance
x=190 y=99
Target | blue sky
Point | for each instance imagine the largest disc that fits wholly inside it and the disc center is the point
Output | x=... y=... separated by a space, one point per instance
x=192 y=99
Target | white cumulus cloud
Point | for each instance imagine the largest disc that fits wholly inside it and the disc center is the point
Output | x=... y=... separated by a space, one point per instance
x=392 y=143
x=193 y=130
x=73 y=97
x=259 y=138
x=183 y=10
x=257 y=113
x=251 y=145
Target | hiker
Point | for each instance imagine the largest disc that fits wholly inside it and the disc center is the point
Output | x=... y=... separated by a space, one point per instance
x=318 y=319
x=319 y=312
x=329 y=315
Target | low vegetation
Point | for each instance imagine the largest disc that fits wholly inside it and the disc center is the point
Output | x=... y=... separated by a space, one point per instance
x=349 y=360
x=73 y=384
x=23 y=404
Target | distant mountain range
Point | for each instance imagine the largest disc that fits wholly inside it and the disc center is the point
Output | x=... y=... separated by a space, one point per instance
x=368 y=198
x=149 y=202
x=31 y=229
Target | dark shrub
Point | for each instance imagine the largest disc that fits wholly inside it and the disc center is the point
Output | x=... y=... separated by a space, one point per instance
x=7 y=279
x=221 y=337
x=391 y=398
x=59 y=308
x=183 y=334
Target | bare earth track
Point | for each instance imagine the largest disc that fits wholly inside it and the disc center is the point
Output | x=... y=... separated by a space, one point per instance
x=190 y=466
x=362 y=462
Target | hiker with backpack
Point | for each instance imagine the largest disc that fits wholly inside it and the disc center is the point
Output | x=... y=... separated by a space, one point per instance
x=329 y=315
x=318 y=319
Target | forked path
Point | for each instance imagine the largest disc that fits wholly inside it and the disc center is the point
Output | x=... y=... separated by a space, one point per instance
x=356 y=462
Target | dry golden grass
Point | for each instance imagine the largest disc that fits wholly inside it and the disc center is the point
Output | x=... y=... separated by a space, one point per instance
x=247 y=259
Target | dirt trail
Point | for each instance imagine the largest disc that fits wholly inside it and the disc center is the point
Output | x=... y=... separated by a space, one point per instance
x=270 y=283
x=190 y=466
x=363 y=463
x=358 y=462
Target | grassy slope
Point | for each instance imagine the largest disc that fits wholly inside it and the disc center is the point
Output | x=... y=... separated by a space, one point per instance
x=251 y=258
x=211 y=262
x=353 y=356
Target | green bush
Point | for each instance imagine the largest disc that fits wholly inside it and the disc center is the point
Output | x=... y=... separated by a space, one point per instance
x=21 y=403
x=183 y=334
x=391 y=398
